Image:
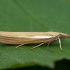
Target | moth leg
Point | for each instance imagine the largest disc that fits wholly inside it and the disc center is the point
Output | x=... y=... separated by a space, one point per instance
x=60 y=43
x=19 y=45
x=37 y=46
x=48 y=43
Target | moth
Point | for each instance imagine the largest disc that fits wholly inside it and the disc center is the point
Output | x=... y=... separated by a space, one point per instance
x=22 y=38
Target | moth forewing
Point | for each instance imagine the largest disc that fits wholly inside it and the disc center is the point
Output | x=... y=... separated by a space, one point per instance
x=23 y=38
x=37 y=39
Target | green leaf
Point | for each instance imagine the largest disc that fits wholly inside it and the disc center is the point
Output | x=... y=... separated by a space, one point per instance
x=34 y=15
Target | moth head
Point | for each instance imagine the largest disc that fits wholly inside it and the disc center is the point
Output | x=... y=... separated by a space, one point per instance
x=62 y=35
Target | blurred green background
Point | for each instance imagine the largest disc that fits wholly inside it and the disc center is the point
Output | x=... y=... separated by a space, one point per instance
x=39 y=16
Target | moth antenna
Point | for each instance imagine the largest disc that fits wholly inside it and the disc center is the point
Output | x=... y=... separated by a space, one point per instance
x=50 y=30
x=60 y=43
x=37 y=46
x=19 y=45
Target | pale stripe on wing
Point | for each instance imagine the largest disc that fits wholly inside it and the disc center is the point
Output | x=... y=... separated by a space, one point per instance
x=38 y=37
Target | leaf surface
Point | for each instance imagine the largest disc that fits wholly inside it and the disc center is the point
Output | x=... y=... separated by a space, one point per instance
x=34 y=15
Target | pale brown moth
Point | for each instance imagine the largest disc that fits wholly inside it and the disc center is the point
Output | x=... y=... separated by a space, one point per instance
x=22 y=38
